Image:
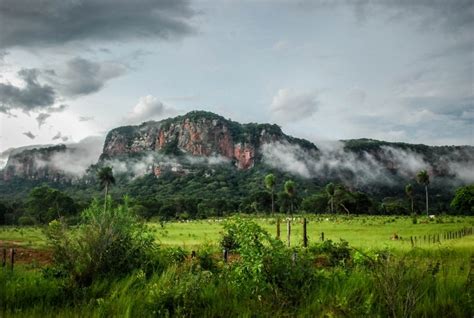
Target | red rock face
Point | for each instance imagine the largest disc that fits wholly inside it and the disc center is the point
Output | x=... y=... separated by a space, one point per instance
x=244 y=155
x=161 y=139
x=197 y=137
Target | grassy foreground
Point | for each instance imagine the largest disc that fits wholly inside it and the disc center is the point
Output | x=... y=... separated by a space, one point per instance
x=371 y=276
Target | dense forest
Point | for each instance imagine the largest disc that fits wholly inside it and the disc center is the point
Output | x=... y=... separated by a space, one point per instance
x=219 y=192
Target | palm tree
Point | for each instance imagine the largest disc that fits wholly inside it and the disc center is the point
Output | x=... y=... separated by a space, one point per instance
x=331 y=190
x=423 y=178
x=409 y=193
x=290 y=190
x=270 y=185
x=106 y=178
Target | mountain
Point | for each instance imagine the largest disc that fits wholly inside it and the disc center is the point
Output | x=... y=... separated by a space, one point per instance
x=202 y=151
x=198 y=133
x=34 y=163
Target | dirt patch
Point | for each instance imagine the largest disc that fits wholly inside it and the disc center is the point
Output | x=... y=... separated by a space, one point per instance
x=24 y=255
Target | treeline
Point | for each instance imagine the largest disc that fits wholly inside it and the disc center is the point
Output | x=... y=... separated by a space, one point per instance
x=44 y=204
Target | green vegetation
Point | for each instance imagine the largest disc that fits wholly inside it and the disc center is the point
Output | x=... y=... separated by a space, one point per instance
x=423 y=178
x=262 y=277
x=463 y=200
x=270 y=185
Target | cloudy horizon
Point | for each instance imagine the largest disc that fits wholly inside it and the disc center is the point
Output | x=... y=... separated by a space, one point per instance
x=322 y=70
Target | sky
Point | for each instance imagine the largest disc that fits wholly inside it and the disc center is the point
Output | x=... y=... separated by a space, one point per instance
x=322 y=70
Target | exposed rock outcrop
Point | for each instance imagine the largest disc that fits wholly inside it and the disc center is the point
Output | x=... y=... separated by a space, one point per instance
x=197 y=134
x=35 y=164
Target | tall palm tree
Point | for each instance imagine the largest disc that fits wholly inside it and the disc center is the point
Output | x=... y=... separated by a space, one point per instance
x=270 y=185
x=423 y=178
x=409 y=193
x=331 y=190
x=106 y=179
x=291 y=191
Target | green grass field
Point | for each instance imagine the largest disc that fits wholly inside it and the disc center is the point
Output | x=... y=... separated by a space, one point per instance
x=361 y=232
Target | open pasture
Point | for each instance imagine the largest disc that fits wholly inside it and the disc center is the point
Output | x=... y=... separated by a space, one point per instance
x=360 y=231
x=365 y=232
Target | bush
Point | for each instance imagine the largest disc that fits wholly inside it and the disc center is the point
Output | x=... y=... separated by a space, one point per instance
x=337 y=253
x=26 y=220
x=267 y=266
x=414 y=218
x=108 y=242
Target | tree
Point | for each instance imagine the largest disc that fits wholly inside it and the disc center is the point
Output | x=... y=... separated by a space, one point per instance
x=315 y=203
x=3 y=211
x=46 y=204
x=423 y=178
x=106 y=178
x=330 y=190
x=463 y=200
x=409 y=193
x=270 y=184
x=344 y=199
x=291 y=191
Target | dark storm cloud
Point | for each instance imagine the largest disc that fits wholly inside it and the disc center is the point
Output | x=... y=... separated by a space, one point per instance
x=2 y=56
x=30 y=97
x=56 y=109
x=50 y=22
x=453 y=16
x=41 y=118
x=29 y=134
x=60 y=136
x=86 y=118
x=76 y=77
x=80 y=76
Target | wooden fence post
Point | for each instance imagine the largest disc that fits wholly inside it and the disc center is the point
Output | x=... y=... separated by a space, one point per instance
x=12 y=257
x=4 y=259
x=305 y=236
x=225 y=255
x=278 y=228
x=412 y=243
x=322 y=236
x=193 y=254
x=288 y=231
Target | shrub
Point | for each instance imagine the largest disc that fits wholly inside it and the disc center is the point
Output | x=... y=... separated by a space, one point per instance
x=266 y=265
x=337 y=253
x=108 y=242
x=26 y=220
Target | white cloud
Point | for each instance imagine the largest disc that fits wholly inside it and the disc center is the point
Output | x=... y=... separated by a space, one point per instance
x=149 y=108
x=289 y=105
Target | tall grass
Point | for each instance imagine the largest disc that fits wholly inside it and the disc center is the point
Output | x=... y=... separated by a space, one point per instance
x=263 y=278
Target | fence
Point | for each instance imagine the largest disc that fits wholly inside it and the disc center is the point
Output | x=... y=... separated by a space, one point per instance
x=440 y=237
x=12 y=258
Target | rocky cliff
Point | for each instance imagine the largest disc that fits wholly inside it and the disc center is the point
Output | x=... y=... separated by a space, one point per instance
x=179 y=145
x=34 y=164
x=197 y=133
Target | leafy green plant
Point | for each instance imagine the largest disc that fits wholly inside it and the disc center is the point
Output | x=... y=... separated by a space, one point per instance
x=108 y=242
